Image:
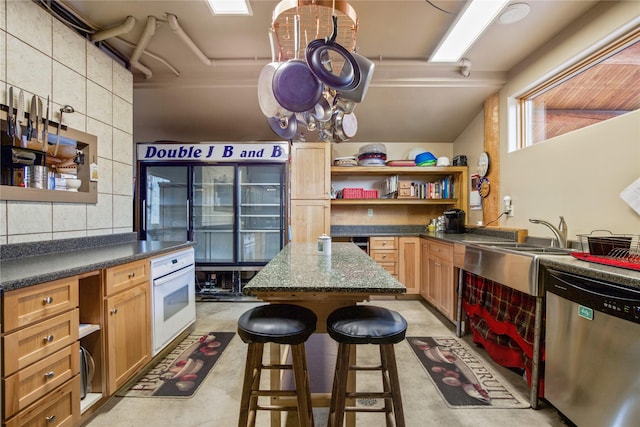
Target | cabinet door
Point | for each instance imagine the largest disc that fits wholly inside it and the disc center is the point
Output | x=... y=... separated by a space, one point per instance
x=447 y=291
x=409 y=263
x=128 y=334
x=309 y=219
x=434 y=267
x=424 y=265
x=310 y=171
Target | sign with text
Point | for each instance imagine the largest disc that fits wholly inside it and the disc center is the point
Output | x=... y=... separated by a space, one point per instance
x=215 y=152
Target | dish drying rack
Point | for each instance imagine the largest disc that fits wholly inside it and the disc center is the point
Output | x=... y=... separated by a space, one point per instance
x=604 y=247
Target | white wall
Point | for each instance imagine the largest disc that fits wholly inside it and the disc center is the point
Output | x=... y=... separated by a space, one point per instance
x=580 y=174
x=44 y=57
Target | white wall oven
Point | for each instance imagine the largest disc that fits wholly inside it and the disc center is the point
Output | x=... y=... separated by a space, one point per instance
x=173 y=296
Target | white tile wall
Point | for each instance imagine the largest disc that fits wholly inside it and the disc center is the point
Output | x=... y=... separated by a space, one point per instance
x=41 y=55
x=99 y=67
x=68 y=48
x=70 y=88
x=31 y=24
x=99 y=103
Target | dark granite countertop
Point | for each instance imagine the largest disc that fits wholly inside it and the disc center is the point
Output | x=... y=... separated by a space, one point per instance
x=567 y=263
x=26 y=270
x=299 y=268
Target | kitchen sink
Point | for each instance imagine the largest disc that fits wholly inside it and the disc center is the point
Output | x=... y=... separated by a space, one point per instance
x=513 y=264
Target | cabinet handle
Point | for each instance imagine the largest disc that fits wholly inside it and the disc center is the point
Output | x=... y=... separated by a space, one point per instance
x=437 y=264
x=47 y=300
x=48 y=339
x=50 y=418
x=132 y=275
x=114 y=311
x=49 y=375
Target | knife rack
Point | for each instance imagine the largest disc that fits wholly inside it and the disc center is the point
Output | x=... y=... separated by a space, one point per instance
x=14 y=159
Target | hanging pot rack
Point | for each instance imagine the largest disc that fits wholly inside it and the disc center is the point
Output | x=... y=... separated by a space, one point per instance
x=315 y=22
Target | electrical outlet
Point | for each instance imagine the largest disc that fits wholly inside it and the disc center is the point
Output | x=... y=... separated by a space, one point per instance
x=508 y=205
x=370 y=211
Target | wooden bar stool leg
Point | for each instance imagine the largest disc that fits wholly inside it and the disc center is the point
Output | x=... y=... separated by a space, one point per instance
x=303 y=392
x=339 y=392
x=386 y=386
x=251 y=382
x=390 y=357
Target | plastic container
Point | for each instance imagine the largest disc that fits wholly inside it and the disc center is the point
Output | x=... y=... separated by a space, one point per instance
x=324 y=245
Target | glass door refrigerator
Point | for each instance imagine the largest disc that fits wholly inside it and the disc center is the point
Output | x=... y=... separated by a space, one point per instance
x=234 y=212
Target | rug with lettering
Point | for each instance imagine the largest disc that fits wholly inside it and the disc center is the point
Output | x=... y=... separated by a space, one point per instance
x=461 y=377
x=182 y=371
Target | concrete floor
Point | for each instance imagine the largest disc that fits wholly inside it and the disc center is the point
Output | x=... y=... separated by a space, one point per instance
x=216 y=402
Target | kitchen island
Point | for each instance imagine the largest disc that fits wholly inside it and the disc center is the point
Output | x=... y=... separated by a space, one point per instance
x=299 y=275
x=322 y=283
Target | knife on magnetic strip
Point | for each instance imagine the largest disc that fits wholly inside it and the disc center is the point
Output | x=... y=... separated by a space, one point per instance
x=10 y=125
x=32 y=117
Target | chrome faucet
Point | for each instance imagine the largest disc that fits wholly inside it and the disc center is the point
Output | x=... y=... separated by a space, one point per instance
x=560 y=232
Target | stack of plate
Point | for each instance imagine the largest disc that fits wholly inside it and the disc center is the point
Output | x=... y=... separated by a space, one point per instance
x=345 y=161
x=372 y=155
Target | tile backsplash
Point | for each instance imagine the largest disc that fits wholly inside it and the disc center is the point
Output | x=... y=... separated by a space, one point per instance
x=42 y=56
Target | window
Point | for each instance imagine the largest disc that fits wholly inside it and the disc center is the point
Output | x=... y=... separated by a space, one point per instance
x=600 y=87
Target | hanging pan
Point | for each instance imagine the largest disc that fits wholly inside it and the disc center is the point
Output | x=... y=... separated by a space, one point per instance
x=295 y=87
x=324 y=54
x=268 y=103
x=358 y=93
x=284 y=127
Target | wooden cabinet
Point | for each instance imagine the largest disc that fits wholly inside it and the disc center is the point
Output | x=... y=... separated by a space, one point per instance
x=107 y=312
x=40 y=360
x=310 y=184
x=128 y=322
x=441 y=281
x=409 y=268
x=384 y=251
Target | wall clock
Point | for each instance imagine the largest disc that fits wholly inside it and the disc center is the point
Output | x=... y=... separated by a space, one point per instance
x=483 y=164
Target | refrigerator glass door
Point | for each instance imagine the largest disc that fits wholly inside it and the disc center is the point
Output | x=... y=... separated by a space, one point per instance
x=214 y=213
x=167 y=203
x=261 y=220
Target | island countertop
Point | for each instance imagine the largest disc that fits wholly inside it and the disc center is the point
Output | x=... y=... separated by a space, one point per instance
x=299 y=268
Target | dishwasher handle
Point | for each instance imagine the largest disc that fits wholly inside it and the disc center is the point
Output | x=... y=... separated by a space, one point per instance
x=610 y=298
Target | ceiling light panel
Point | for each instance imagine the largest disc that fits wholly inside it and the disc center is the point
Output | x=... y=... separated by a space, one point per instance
x=473 y=20
x=230 y=7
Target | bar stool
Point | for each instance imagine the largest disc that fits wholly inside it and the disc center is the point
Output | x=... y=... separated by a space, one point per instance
x=281 y=324
x=363 y=324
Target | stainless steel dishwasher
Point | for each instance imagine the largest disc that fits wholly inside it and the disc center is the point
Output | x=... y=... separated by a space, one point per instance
x=592 y=370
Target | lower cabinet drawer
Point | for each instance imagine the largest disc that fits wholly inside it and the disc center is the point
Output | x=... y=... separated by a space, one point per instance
x=391 y=267
x=33 y=382
x=26 y=346
x=384 y=256
x=60 y=408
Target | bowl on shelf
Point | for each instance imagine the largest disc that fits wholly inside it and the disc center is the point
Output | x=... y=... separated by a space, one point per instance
x=73 y=184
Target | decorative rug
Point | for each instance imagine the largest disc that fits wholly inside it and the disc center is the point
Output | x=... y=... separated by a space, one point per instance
x=182 y=371
x=460 y=376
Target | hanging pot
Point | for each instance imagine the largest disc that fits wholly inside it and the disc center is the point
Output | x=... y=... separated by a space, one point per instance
x=321 y=55
x=284 y=127
x=295 y=87
x=358 y=93
x=345 y=126
x=322 y=111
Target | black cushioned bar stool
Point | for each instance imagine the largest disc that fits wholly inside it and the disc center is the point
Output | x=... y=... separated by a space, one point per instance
x=280 y=324
x=364 y=324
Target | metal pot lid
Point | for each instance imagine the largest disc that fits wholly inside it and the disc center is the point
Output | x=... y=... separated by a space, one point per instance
x=295 y=87
x=266 y=99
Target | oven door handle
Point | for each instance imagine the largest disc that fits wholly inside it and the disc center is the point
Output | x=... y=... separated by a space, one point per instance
x=174 y=275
